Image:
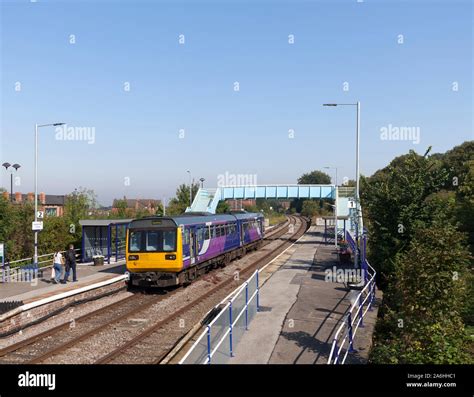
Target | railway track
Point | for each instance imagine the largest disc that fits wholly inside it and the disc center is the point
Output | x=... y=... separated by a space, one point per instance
x=145 y=347
x=66 y=337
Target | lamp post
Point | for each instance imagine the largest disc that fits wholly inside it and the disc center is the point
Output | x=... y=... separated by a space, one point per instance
x=35 y=257
x=202 y=183
x=16 y=166
x=357 y=169
x=190 y=190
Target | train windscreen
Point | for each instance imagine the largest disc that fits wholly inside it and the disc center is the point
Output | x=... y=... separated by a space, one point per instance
x=160 y=240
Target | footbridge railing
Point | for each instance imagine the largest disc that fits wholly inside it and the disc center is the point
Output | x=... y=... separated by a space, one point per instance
x=206 y=199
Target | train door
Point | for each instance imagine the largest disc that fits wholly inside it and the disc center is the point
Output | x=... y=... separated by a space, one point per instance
x=192 y=245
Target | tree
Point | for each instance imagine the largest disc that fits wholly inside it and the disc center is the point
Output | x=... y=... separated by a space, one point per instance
x=314 y=178
x=310 y=208
x=178 y=204
x=427 y=293
x=223 y=207
x=122 y=207
x=311 y=178
x=395 y=202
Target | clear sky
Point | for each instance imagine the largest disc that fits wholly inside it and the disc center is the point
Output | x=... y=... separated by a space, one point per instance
x=408 y=62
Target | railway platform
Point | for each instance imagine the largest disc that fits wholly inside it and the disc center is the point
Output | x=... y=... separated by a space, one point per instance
x=42 y=287
x=301 y=306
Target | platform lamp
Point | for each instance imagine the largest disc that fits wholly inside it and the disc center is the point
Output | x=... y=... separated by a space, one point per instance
x=16 y=166
x=356 y=254
x=190 y=189
x=202 y=183
x=35 y=257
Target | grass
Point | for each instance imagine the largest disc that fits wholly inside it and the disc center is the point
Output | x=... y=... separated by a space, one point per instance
x=276 y=218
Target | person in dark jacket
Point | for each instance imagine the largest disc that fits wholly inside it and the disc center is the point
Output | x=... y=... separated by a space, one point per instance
x=70 y=264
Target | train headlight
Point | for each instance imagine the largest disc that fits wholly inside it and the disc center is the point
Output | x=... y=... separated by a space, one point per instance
x=133 y=257
x=127 y=276
x=170 y=257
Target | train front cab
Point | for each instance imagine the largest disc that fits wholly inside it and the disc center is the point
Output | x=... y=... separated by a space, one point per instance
x=154 y=254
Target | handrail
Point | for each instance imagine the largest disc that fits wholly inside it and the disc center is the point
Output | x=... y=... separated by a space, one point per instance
x=212 y=347
x=354 y=317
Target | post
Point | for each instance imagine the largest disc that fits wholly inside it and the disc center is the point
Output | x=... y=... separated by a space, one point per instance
x=357 y=184
x=35 y=257
x=372 y=294
x=246 y=305
x=336 y=359
x=258 y=293
x=357 y=151
x=351 y=337
x=11 y=187
x=116 y=243
x=361 y=308
x=230 y=329
x=208 y=344
x=109 y=236
x=335 y=216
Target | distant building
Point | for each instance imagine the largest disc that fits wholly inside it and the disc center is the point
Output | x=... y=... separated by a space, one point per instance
x=50 y=204
x=238 y=204
x=148 y=205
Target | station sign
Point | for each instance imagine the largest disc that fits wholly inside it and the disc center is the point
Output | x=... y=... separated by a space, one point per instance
x=40 y=214
x=351 y=204
x=37 y=225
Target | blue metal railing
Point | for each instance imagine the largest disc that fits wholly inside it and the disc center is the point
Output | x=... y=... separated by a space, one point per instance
x=343 y=340
x=216 y=344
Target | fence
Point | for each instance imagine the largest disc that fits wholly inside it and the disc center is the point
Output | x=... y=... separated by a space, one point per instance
x=26 y=269
x=215 y=344
x=343 y=341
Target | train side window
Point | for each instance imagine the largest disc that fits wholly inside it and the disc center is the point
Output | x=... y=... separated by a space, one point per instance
x=186 y=236
x=218 y=231
x=206 y=233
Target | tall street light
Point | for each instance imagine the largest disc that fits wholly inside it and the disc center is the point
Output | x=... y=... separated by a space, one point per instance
x=190 y=189
x=7 y=166
x=35 y=257
x=335 y=207
x=357 y=170
x=202 y=183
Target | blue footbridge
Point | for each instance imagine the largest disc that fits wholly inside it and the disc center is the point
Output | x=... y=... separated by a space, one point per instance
x=207 y=199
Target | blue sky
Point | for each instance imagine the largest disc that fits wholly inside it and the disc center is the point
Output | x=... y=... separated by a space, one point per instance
x=191 y=87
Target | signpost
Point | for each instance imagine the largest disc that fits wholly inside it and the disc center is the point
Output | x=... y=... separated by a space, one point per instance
x=37 y=226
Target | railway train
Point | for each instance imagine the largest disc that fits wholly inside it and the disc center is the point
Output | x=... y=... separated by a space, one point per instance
x=166 y=251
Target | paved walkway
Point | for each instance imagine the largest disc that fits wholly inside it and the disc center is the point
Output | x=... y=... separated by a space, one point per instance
x=42 y=287
x=300 y=311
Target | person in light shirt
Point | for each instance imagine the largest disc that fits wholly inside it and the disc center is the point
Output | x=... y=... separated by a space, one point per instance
x=57 y=266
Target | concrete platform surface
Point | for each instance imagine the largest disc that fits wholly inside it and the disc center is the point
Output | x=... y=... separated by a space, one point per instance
x=43 y=287
x=300 y=311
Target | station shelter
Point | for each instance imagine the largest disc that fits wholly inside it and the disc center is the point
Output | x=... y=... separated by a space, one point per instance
x=104 y=237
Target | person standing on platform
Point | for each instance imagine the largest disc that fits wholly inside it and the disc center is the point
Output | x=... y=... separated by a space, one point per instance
x=57 y=267
x=70 y=264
